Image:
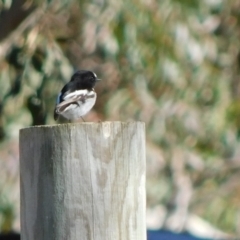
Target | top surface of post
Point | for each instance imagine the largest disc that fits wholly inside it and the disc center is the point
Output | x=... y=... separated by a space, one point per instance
x=129 y=123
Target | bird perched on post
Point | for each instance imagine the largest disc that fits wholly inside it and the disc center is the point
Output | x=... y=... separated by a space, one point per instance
x=77 y=97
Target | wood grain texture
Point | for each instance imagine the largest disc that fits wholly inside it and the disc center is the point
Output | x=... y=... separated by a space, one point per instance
x=83 y=181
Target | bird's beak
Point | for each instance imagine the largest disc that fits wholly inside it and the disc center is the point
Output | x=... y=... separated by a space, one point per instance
x=99 y=79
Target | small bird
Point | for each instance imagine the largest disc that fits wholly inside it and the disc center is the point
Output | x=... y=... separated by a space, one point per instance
x=77 y=97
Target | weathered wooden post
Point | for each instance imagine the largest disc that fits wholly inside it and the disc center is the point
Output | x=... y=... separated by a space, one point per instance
x=83 y=181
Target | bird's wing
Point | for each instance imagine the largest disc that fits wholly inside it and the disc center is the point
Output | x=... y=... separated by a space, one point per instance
x=64 y=104
x=77 y=97
x=76 y=93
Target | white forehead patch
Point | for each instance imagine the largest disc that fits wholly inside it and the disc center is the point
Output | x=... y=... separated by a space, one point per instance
x=94 y=74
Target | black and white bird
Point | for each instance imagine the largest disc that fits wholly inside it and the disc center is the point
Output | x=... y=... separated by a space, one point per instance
x=77 y=97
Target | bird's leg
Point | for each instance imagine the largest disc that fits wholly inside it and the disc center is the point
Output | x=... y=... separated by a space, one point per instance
x=82 y=119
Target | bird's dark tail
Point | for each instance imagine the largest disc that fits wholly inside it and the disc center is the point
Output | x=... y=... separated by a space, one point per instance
x=55 y=115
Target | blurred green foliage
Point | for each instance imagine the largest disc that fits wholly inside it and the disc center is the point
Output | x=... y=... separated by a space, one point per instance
x=7 y=214
x=172 y=64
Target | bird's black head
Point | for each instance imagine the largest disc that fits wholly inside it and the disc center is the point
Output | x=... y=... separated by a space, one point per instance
x=84 y=79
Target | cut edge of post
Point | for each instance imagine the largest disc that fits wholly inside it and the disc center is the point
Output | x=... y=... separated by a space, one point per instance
x=80 y=123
